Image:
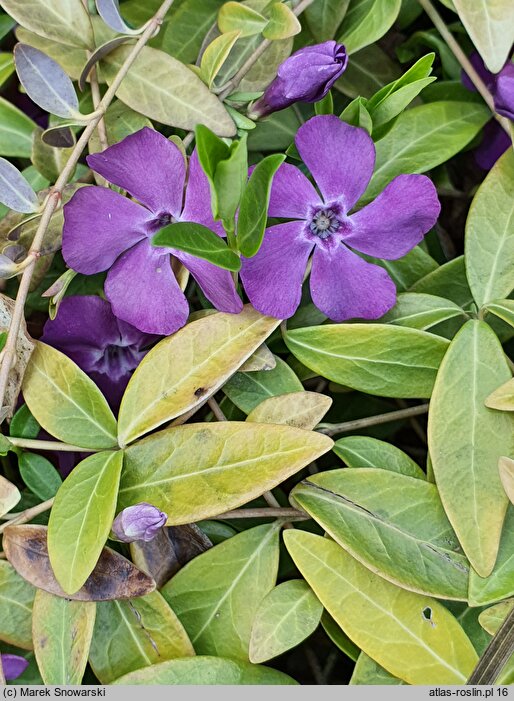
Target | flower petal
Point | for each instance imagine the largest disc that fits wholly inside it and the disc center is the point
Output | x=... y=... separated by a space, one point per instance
x=99 y=225
x=344 y=286
x=13 y=666
x=149 y=166
x=495 y=142
x=216 y=284
x=144 y=292
x=340 y=157
x=291 y=194
x=197 y=206
x=273 y=277
x=396 y=221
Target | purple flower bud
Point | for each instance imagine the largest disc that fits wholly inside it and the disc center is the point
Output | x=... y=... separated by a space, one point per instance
x=504 y=93
x=139 y=522
x=13 y=666
x=306 y=76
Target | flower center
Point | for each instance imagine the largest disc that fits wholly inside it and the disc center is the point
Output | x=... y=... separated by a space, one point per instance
x=117 y=360
x=324 y=223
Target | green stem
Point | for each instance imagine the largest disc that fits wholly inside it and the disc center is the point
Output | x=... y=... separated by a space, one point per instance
x=347 y=426
x=32 y=444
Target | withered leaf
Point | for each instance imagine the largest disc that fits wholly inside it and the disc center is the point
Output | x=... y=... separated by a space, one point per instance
x=24 y=348
x=114 y=577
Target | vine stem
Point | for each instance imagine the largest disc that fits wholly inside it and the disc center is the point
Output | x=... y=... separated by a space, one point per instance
x=496 y=654
x=28 y=514
x=8 y=354
x=266 y=512
x=464 y=61
x=345 y=427
x=97 y=97
x=34 y=444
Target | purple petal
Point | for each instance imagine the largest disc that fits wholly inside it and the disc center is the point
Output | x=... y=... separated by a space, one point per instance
x=273 y=277
x=291 y=194
x=216 y=284
x=504 y=93
x=197 y=206
x=99 y=225
x=486 y=75
x=344 y=286
x=13 y=666
x=149 y=166
x=397 y=219
x=494 y=144
x=340 y=157
x=144 y=292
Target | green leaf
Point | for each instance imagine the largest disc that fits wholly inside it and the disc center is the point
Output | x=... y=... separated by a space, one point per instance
x=339 y=637
x=236 y=17
x=368 y=70
x=192 y=364
x=206 y=670
x=275 y=132
x=253 y=211
x=133 y=634
x=6 y=67
x=413 y=548
x=217 y=595
x=81 y=518
x=248 y=390
x=197 y=471
x=39 y=475
x=489 y=234
x=366 y=21
x=466 y=439
x=285 y=617
x=424 y=137
x=324 y=17
x=368 y=672
x=162 y=88
x=282 y=23
x=48 y=160
x=421 y=311
x=64 y=21
x=62 y=631
x=364 y=451
x=16 y=600
x=406 y=271
x=299 y=409
x=506 y=469
x=325 y=105
x=491 y=28
x=412 y=636
x=391 y=361
x=357 y=115
x=492 y=618
x=120 y=121
x=216 y=54
x=448 y=281
x=198 y=241
x=15 y=191
x=503 y=309
x=66 y=402
x=502 y=398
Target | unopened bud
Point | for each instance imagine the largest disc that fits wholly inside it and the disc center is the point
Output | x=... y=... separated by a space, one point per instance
x=139 y=522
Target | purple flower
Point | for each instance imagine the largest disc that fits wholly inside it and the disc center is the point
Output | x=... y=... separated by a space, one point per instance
x=13 y=666
x=139 y=522
x=103 y=230
x=106 y=348
x=504 y=93
x=343 y=286
x=306 y=76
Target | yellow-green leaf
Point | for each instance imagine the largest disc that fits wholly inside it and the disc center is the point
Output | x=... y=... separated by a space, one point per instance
x=490 y=24
x=197 y=471
x=66 y=402
x=216 y=54
x=492 y=618
x=181 y=371
x=365 y=451
x=9 y=495
x=502 y=398
x=16 y=600
x=412 y=636
x=506 y=468
x=282 y=23
x=234 y=16
x=299 y=409
x=62 y=631
x=81 y=518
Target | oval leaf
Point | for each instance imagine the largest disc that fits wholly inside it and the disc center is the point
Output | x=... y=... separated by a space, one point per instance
x=114 y=577
x=421 y=311
x=235 y=16
x=15 y=131
x=491 y=28
x=16 y=600
x=199 y=241
x=216 y=54
x=15 y=191
x=109 y=11
x=299 y=409
x=503 y=397
x=39 y=475
x=364 y=451
x=366 y=21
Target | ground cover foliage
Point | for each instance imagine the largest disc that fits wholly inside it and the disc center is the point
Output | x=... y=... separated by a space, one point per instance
x=256 y=328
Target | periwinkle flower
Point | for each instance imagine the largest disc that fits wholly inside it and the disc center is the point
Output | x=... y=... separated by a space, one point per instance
x=105 y=347
x=105 y=231
x=139 y=522
x=341 y=159
x=306 y=76
x=13 y=666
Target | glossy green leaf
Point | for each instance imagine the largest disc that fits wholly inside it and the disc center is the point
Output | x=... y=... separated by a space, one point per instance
x=357 y=115
x=299 y=409
x=234 y=16
x=365 y=451
x=81 y=518
x=369 y=673
x=23 y=424
x=414 y=547
x=6 y=67
x=339 y=637
x=162 y=88
x=206 y=670
x=412 y=636
x=64 y=21
x=391 y=361
x=490 y=24
x=181 y=371
x=366 y=21
x=282 y=23
x=199 y=241
x=466 y=440
x=324 y=17
x=216 y=54
x=448 y=281
x=503 y=309
x=39 y=475
x=368 y=71
x=285 y=617
x=120 y=121
x=492 y=618
x=62 y=631
x=198 y=471
x=217 y=595
x=253 y=212
x=66 y=402
x=489 y=234
x=421 y=311
x=16 y=600
x=133 y=634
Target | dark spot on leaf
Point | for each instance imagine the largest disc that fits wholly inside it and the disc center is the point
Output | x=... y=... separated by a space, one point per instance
x=200 y=391
x=427 y=614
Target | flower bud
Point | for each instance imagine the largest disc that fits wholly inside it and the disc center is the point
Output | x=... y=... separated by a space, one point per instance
x=139 y=522
x=13 y=666
x=306 y=76
x=504 y=92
